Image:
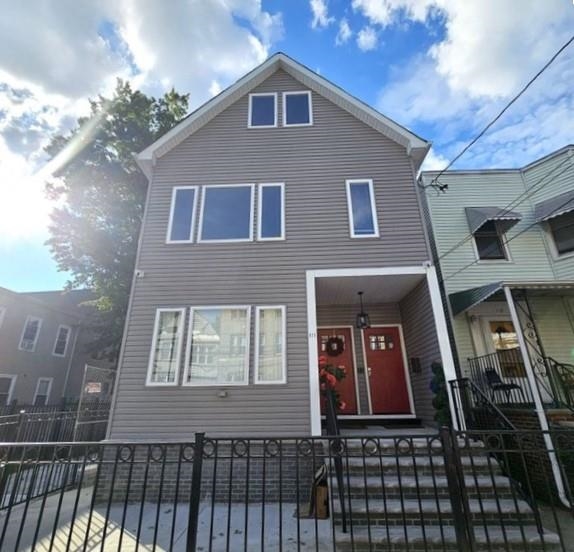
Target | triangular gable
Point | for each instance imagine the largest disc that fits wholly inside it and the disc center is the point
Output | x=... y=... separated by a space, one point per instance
x=416 y=147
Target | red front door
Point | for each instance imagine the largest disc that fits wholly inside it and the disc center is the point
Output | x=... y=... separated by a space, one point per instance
x=386 y=371
x=345 y=387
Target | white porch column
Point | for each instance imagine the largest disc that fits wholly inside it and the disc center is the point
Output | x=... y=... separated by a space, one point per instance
x=535 y=394
x=314 y=388
x=442 y=336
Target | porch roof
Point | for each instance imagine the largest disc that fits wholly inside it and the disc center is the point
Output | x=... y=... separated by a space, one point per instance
x=555 y=206
x=478 y=216
x=461 y=301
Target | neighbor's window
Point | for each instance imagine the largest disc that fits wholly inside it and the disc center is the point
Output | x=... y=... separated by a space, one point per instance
x=227 y=213
x=42 y=394
x=362 y=212
x=218 y=346
x=180 y=228
x=262 y=110
x=166 y=347
x=30 y=334
x=562 y=229
x=488 y=241
x=61 y=343
x=2 y=315
x=270 y=345
x=297 y=109
x=6 y=388
x=271 y=212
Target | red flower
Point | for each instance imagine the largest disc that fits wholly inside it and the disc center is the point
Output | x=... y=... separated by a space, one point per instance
x=342 y=405
x=322 y=361
x=331 y=380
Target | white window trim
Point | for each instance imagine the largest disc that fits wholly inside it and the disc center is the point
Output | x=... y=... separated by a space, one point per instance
x=172 y=210
x=245 y=381
x=348 y=184
x=298 y=93
x=255 y=94
x=13 y=378
x=50 y=382
x=175 y=382
x=200 y=238
x=283 y=310
x=505 y=249
x=29 y=319
x=67 y=341
x=281 y=185
x=2 y=315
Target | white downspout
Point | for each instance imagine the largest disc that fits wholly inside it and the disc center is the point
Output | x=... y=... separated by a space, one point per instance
x=536 y=395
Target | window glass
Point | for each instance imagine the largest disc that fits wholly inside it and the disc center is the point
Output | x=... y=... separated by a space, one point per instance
x=30 y=334
x=505 y=343
x=167 y=346
x=270 y=345
x=562 y=228
x=226 y=213
x=2 y=315
x=5 y=388
x=219 y=348
x=271 y=215
x=488 y=242
x=42 y=392
x=262 y=110
x=362 y=209
x=181 y=227
x=297 y=109
x=61 y=343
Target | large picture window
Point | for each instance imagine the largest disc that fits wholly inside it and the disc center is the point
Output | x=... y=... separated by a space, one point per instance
x=270 y=345
x=180 y=228
x=562 y=229
x=218 y=346
x=271 y=212
x=166 y=347
x=227 y=213
x=362 y=211
x=30 y=334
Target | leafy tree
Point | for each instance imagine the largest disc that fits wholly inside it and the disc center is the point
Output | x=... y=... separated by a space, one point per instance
x=101 y=193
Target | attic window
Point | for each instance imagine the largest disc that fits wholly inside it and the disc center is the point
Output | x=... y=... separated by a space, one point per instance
x=262 y=110
x=297 y=110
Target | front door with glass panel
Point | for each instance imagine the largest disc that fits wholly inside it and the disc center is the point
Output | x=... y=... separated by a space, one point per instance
x=500 y=337
x=386 y=371
x=340 y=356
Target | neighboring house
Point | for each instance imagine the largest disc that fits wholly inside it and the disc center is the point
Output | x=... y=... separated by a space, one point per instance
x=505 y=243
x=269 y=208
x=43 y=337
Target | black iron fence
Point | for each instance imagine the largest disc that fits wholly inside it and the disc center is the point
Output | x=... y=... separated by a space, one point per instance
x=444 y=491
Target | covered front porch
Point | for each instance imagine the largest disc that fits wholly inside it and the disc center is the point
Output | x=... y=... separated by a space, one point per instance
x=386 y=347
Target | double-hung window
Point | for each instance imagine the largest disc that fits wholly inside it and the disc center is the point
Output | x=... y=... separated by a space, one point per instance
x=488 y=240
x=270 y=366
x=562 y=229
x=271 y=212
x=226 y=213
x=262 y=110
x=62 y=339
x=182 y=214
x=42 y=394
x=167 y=340
x=224 y=332
x=7 y=383
x=362 y=211
x=30 y=334
x=297 y=109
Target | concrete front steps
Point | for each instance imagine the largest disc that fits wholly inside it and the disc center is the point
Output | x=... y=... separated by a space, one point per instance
x=397 y=498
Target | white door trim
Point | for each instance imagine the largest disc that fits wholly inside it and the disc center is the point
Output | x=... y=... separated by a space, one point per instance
x=405 y=368
x=353 y=350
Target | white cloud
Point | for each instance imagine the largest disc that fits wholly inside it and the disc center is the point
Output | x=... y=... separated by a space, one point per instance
x=367 y=39
x=344 y=33
x=434 y=161
x=320 y=12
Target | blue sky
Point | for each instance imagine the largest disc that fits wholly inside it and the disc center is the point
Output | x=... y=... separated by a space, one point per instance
x=442 y=68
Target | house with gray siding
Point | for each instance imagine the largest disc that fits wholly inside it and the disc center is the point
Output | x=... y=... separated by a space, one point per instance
x=269 y=209
x=504 y=243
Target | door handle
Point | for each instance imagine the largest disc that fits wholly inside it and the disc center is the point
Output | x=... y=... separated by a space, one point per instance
x=369 y=371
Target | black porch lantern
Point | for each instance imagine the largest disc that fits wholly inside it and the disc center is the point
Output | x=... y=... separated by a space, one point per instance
x=363 y=321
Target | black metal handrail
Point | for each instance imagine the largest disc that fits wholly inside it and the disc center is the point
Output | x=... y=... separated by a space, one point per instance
x=561 y=378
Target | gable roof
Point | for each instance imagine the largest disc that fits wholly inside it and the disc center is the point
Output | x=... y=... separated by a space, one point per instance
x=416 y=147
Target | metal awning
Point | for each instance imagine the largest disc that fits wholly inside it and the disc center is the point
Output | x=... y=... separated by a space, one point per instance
x=461 y=301
x=477 y=216
x=555 y=206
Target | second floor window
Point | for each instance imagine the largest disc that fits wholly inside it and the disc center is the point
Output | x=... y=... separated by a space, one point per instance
x=362 y=211
x=562 y=229
x=2 y=315
x=61 y=343
x=271 y=216
x=180 y=227
x=488 y=241
x=226 y=213
x=30 y=334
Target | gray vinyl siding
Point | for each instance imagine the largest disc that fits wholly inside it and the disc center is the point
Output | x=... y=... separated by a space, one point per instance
x=345 y=315
x=313 y=162
x=421 y=342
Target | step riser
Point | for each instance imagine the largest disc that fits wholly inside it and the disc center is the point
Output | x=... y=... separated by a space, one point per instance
x=394 y=519
x=439 y=547
x=423 y=494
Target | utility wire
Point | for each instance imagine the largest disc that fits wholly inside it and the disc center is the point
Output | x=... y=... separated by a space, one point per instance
x=514 y=203
x=513 y=237
x=508 y=105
